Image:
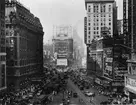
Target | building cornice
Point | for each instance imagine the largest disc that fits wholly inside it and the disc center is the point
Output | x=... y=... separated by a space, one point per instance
x=98 y=1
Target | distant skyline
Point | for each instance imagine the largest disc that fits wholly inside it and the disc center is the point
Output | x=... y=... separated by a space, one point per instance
x=61 y=12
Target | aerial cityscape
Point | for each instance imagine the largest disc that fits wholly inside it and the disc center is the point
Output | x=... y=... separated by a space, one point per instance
x=91 y=65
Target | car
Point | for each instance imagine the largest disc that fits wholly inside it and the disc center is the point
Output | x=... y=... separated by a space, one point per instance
x=30 y=104
x=30 y=95
x=115 y=103
x=103 y=103
x=38 y=94
x=81 y=88
x=89 y=94
x=75 y=95
x=24 y=97
x=87 y=87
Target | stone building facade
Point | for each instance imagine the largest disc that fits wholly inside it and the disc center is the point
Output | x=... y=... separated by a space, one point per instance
x=24 y=45
x=2 y=47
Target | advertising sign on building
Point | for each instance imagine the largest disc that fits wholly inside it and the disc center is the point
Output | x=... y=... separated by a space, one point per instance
x=131 y=84
x=108 y=60
x=99 y=60
x=98 y=81
x=62 y=62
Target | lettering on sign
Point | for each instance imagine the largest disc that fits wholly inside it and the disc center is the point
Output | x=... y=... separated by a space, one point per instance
x=117 y=84
x=109 y=59
x=109 y=50
x=109 y=68
x=131 y=82
x=97 y=81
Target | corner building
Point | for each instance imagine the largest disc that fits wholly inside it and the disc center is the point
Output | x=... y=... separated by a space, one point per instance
x=130 y=78
x=24 y=39
x=2 y=47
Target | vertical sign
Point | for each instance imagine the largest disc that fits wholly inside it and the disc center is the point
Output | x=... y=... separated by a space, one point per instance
x=108 y=59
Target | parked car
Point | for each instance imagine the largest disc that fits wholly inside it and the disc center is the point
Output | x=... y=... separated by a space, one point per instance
x=89 y=94
x=38 y=94
x=81 y=88
x=75 y=95
x=105 y=103
x=24 y=97
x=115 y=103
x=87 y=87
x=30 y=95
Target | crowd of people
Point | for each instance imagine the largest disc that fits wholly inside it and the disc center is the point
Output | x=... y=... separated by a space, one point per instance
x=46 y=86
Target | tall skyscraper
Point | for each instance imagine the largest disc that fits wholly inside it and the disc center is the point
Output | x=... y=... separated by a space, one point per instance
x=2 y=47
x=100 y=14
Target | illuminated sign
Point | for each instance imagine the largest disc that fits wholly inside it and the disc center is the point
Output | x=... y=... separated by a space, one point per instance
x=62 y=62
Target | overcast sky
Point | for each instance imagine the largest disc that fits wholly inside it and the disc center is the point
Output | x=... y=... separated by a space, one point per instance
x=61 y=12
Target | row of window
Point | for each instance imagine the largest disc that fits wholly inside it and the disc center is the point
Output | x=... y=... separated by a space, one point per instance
x=101 y=8
x=2 y=58
x=3 y=76
x=97 y=28
x=2 y=41
x=101 y=15
x=96 y=32
x=97 y=24
x=102 y=19
x=3 y=49
x=30 y=61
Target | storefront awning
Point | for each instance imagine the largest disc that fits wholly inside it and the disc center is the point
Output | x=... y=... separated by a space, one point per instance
x=131 y=61
x=130 y=90
x=105 y=78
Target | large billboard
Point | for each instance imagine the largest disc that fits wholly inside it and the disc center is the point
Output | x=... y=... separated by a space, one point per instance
x=62 y=62
x=108 y=60
x=130 y=84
